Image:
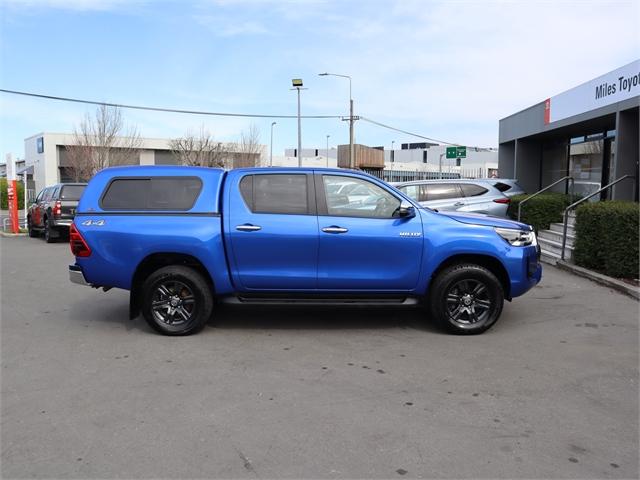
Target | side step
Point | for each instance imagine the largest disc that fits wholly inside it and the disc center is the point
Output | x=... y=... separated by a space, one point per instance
x=320 y=300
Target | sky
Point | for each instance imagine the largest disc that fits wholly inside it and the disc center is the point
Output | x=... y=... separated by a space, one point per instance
x=448 y=70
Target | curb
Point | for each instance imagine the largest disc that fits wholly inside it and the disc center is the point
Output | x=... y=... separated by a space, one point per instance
x=10 y=235
x=610 y=282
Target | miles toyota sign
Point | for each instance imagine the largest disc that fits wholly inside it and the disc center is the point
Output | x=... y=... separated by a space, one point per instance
x=612 y=87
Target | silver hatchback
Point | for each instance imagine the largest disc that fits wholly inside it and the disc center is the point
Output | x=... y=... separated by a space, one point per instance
x=471 y=196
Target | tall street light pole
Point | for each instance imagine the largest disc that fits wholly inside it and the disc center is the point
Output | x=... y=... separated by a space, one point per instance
x=271 y=148
x=297 y=85
x=351 y=117
x=328 y=150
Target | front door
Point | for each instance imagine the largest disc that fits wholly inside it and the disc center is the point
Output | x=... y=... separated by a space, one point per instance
x=364 y=244
x=273 y=231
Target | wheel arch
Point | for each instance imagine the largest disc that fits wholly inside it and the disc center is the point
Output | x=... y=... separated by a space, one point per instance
x=489 y=262
x=158 y=260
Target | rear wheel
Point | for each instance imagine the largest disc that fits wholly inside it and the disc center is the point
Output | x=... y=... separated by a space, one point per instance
x=48 y=234
x=176 y=300
x=466 y=299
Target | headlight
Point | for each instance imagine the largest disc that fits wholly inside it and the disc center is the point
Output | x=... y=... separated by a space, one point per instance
x=517 y=238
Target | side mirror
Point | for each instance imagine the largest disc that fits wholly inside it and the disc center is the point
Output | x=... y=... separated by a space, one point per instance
x=406 y=210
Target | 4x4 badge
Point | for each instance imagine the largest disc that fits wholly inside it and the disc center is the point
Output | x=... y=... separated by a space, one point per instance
x=89 y=223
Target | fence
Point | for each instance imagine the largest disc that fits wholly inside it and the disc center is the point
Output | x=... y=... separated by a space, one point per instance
x=409 y=175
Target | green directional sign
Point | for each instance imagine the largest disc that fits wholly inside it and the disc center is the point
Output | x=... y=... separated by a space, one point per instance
x=456 y=152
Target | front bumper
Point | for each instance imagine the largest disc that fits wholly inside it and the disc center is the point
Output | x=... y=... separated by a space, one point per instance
x=76 y=276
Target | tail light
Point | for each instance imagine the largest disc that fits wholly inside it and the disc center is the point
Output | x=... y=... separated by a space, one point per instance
x=78 y=246
x=57 y=209
x=502 y=200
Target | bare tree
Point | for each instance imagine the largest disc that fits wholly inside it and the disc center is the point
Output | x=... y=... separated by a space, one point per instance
x=248 y=148
x=200 y=149
x=100 y=141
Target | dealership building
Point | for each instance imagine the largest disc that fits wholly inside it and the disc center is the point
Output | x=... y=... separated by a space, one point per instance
x=590 y=133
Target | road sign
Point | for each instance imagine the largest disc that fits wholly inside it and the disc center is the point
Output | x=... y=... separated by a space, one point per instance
x=456 y=152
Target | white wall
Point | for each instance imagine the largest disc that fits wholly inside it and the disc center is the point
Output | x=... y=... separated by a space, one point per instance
x=45 y=164
x=315 y=162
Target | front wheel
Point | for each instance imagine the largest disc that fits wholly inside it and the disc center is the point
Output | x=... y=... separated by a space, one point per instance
x=466 y=299
x=32 y=233
x=177 y=300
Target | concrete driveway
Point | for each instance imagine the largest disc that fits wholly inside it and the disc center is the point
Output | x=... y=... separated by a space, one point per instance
x=550 y=392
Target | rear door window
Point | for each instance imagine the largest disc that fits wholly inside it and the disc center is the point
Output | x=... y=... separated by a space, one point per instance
x=442 y=191
x=72 y=192
x=472 y=190
x=276 y=193
x=155 y=193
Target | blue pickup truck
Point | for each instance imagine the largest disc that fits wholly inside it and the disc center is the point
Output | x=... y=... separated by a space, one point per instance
x=182 y=239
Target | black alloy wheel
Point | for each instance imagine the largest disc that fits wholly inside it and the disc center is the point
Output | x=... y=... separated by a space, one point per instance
x=177 y=300
x=468 y=302
x=47 y=232
x=466 y=299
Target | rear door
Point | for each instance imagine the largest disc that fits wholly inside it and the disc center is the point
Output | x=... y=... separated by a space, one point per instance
x=41 y=207
x=36 y=217
x=476 y=198
x=444 y=196
x=273 y=230
x=364 y=246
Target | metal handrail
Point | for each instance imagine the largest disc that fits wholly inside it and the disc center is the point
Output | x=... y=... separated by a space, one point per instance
x=568 y=177
x=584 y=199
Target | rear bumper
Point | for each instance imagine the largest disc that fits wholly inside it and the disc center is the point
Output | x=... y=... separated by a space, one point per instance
x=62 y=222
x=76 y=276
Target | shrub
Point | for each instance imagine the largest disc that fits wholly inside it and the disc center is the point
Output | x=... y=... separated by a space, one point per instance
x=607 y=238
x=540 y=211
x=4 y=202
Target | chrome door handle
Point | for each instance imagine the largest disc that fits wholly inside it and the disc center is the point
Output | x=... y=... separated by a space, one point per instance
x=248 y=228
x=335 y=230
x=458 y=204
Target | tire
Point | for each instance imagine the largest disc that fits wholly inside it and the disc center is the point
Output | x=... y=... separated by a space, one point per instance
x=47 y=232
x=466 y=299
x=32 y=233
x=176 y=300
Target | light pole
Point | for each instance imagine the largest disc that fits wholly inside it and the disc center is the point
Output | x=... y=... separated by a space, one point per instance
x=328 y=150
x=440 y=165
x=393 y=156
x=271 y=147
x=297 y=85
x=351 y=117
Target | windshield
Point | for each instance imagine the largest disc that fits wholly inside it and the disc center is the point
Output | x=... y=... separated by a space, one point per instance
x=72 y=192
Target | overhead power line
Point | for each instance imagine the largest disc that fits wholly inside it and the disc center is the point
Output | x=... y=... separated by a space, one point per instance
x=159 y=109
x=217 y=114
x=406 y=132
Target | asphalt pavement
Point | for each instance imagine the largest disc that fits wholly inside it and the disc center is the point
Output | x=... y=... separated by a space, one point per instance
x=550 y=392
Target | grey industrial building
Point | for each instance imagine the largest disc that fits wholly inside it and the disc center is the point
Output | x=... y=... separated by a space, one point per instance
x=590 y=132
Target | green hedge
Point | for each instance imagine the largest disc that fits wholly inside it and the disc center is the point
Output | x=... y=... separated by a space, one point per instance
x=540 y=211
x=607 y=238
x=4 y=205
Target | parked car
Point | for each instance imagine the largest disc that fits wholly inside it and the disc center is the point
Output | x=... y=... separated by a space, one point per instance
x=53 y=210
x=507 y=186
x=181 y=238
x=470 y=196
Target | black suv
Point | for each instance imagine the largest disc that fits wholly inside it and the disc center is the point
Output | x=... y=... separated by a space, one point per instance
x=53 y=210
